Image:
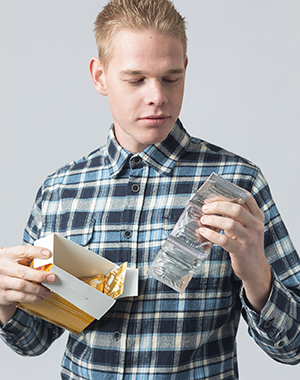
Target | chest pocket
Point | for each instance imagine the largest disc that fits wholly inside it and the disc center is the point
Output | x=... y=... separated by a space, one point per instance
x=78 y=228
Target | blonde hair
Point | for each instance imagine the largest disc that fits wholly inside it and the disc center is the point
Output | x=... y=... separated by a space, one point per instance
x=158 y=15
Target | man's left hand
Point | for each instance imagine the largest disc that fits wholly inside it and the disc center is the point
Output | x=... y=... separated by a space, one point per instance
x=243 y=238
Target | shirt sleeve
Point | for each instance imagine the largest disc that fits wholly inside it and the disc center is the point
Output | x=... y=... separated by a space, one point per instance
x=27 y=334
x=277 y=328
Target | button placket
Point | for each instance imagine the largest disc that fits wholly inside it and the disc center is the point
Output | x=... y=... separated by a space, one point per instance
x=133 y=205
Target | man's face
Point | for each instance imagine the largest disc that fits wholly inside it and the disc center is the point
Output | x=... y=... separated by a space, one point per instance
x=144 y=82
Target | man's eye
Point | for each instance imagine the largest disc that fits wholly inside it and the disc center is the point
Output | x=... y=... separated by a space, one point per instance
x=136 y=81
x=170 y=81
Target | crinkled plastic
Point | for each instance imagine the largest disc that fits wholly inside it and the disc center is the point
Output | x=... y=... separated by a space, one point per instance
x=185 y=249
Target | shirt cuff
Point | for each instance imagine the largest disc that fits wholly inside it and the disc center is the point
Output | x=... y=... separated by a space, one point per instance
x=14 y=328
x=275 y=318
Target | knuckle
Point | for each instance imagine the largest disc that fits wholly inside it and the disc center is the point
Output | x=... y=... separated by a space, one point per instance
x=39 y=276
x=262 y=216
x=262 y=225
x=20 y=285
x=25 y=251
x=5 y=262
x=261 y=229
x=210 y=234
x=38 y=290
x=223 y=240
x=237 y=210
x=232 y=225
x=4 y=294
x=21 y=272
x=21 y=297
x=211 y=219
x=215 y=206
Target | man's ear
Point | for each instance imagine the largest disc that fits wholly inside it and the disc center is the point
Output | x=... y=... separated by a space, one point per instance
x=98 y=75
x=186 y=61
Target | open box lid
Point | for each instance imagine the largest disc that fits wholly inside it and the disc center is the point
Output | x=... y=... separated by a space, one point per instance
x=72 y=261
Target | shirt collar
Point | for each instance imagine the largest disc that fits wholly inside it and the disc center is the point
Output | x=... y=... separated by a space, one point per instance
x=116 y=155
x=161 y=156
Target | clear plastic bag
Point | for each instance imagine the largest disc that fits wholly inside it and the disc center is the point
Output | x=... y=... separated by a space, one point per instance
x=185 y=249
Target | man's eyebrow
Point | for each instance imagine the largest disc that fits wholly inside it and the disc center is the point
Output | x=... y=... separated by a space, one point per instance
x=140 y=72
x=175 y=71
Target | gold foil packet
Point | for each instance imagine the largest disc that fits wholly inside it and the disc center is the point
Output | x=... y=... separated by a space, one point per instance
x=114 y=281
x=45 y=268
x=96 y=282
x=112 y=284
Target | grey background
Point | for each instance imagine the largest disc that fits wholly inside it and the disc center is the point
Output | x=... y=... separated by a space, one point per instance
x=242 y=93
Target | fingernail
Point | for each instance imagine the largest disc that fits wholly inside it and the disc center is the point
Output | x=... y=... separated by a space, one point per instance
x=50 y=278
x=205 y=208
x=203 y=219
x=45 y=253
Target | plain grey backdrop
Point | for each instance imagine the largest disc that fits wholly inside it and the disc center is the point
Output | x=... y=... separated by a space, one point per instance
x=242 y=93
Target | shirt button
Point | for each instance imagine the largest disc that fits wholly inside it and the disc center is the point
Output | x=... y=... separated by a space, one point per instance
x=280 y=344
x=267 y=325
x=135 y=188
x=127 y=234
x=136 y=160
x=117 y=335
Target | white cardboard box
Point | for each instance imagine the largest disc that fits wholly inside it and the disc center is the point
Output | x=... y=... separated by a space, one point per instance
x=71 y=262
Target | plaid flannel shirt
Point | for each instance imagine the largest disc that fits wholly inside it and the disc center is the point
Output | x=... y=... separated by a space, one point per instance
x=123 y=206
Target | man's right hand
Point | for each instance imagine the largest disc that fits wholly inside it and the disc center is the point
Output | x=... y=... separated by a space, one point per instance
x=19 y=282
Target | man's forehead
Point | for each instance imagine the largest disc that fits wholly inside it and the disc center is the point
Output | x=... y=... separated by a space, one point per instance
x=138 y=43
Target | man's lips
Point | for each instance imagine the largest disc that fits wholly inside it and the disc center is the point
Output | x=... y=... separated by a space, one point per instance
x=154 y=120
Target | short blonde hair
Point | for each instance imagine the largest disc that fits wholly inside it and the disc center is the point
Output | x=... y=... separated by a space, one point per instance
x=158 y=15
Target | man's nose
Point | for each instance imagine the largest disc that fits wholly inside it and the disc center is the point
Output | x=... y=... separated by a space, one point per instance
x=155 y=94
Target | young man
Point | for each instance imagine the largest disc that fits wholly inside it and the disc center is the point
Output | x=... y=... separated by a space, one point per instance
x=122 y=202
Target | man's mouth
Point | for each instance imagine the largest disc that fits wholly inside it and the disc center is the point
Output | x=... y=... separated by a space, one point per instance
x=154 y=120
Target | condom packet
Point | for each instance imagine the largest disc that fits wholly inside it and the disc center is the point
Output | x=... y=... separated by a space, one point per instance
x=112 y=284
x=185 y=249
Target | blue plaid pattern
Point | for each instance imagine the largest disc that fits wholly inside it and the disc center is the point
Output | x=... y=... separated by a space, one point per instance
x=123 y=206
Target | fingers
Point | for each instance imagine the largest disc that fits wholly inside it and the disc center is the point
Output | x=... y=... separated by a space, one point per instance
x=233 y=228
x=232 y=210
x=27 y=252
x=19 y=282
x=17 y=290
x=241 y=223
x=245 y=214
x=13 y=261
x=243 y=236
x=228 y=242
x=253 y=208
